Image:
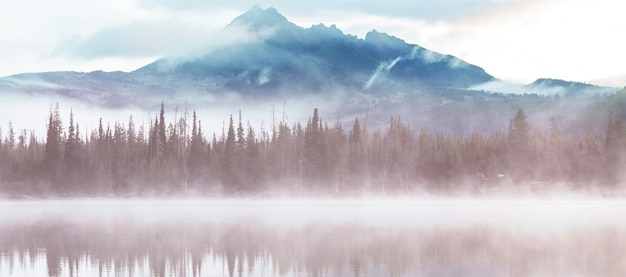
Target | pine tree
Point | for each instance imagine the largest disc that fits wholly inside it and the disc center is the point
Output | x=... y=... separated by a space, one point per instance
x=355 y=154
x=520 y=147
x=53 y=157
x=196 y=157
x=7 y=155
x=161 y=147
x=10 y=139
x=157 y=153
x=133 y=154
x=241 y=138
x=519 y=132
x=314 y=150
x=118 y=159
x=153 y=142
x=280 y=154
x=253 y=168
x=73 y=163
x=229 y=174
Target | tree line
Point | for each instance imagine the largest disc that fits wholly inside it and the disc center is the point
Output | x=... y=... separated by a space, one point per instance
x=318 y=157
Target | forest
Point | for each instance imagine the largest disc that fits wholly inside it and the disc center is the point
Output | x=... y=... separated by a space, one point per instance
x=311 y=158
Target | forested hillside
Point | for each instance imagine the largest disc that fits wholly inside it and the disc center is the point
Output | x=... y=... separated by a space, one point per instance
x=315 y=157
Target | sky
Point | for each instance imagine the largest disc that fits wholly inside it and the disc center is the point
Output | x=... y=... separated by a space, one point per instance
x=513 y=40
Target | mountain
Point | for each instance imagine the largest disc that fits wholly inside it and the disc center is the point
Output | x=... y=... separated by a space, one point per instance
x=568 y=89
x=377 y=76
x=318 y=60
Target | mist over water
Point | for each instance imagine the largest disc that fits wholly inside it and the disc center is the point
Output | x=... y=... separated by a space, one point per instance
x=314 y=237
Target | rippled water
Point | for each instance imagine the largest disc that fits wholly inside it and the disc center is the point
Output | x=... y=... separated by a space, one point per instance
x=403 y=237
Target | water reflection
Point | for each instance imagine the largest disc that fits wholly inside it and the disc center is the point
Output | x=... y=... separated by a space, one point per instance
x=122 y=238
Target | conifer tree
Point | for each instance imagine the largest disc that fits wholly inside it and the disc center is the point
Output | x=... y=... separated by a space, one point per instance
x=254 y=168
x=314 y=150
x=355 y=154
x=241 y=138
x=133 y=154
x=519 y=132
x=161 y=147
x=73 y=163
x=520 y=147
x=196 y=156
x=10 y=139
x=53 y=158
x=7 y=155
x=229 y=176
x=118 y=159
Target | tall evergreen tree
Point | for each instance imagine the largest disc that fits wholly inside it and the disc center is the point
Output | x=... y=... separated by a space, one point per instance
x=355 y=154
x=73 y=163
x=161 y=146
x=314 y=150
x=53 y=157
x=196 y=157
x=520 y=147
x=134 y=154
x=118 y=159
x=10 y=139
x=519 y=132
x=253 y=167
x=241 y=138
x=229 y=173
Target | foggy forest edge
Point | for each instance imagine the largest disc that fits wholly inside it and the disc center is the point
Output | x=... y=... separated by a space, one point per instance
x=315 y=158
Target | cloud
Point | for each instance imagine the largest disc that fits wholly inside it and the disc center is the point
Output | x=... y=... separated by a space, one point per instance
x=265 y=76
x=519 y=89
x=501 y=87
x=433 y=10
x=150 y=39
x=613 y=81
x=424 y=55
x=381 y=71
x=134 y=40
x=527 y=40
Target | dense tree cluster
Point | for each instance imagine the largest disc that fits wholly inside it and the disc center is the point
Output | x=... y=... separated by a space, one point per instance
x=168 y=158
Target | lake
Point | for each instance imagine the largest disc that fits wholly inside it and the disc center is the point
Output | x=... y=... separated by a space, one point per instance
x=309 y=237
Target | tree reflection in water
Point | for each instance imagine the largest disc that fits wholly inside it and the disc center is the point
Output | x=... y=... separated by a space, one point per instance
x=123 y=245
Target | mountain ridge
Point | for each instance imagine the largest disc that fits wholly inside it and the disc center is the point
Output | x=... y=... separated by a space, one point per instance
x=327 y=49
x=379 y=74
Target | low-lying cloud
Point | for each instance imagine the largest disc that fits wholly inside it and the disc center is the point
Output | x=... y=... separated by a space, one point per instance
x=149 y=39
x=381 y=71
x=540 y=88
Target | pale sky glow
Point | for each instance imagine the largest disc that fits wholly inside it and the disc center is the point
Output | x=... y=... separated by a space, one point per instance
x=513 y=40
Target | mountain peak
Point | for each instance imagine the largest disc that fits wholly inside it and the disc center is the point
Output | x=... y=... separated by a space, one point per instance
x=257 y=17
x=376 y=35
x=379 y=38
x=331 y=31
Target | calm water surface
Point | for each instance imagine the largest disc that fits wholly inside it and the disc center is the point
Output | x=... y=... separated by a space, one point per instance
x=405 y=237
